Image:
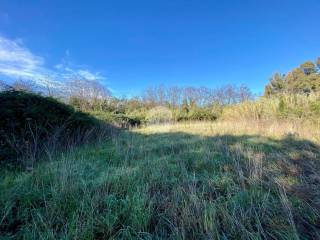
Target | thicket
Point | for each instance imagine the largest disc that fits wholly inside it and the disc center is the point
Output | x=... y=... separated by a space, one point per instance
x=294 y=95
x=31 y=124
x=184 y=104
x=289 y=106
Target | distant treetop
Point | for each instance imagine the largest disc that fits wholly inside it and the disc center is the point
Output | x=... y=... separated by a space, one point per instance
x=304 y=79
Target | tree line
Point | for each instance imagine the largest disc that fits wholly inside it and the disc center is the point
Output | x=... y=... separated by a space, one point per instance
x=181 y=103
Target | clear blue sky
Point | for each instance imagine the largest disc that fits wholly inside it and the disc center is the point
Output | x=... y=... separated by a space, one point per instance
x=129 y=45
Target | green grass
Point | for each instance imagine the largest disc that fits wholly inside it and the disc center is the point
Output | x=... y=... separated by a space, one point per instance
x=183 y=181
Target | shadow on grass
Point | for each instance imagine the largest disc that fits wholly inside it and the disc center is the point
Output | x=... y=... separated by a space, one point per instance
x=244 y=170
x=171 y=186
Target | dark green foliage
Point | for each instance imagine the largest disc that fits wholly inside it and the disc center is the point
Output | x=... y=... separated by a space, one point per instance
x=120 y=119
x=28 y=121
x=209 y=113
x=202 y=114
x=126 y=121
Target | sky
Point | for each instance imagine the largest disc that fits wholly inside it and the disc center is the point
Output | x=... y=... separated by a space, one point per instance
x=133 y=44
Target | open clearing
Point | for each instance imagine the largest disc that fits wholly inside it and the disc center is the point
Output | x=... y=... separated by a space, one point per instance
x=196 y=180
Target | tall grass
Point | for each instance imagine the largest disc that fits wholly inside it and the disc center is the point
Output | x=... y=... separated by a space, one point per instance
x=193 y=180
x=290 y=107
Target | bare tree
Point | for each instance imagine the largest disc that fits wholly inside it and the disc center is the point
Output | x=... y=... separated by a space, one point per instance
x=196 y=96
x=174 y=96
x=161 y=94
x=4 y=86
x=245 y=93
x=89 y=92
x=23 y=85
x=149 y=96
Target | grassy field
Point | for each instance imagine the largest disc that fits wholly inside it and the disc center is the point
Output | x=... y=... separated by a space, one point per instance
x=196 y=180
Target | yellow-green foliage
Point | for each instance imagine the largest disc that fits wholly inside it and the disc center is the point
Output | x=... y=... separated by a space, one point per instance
x=297 y=106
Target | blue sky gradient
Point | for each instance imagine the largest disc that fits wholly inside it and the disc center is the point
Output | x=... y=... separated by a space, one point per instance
x=130 y=45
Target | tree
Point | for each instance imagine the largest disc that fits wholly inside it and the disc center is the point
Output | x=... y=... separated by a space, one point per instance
x=303 y=80
x=308 y=67
x=89 y=93
x=149 y=96
x=276 y=85
x=174 y=96
x=23 y=85
x=244 y=93
x=4 y=86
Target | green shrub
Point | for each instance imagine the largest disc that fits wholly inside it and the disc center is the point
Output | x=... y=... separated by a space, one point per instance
x=181 y=116
x=28 y=122
x=198 y=113
x=139 y=116
x=202 y=114
x=122 y=120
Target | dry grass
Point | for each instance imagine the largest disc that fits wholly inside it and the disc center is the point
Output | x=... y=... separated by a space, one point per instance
x=287 y=106
x=274 y=129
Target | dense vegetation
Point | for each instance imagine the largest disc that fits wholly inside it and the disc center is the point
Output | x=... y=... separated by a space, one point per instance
x=189 y=103
x=31 y=124
x=203 y=163
x=285 y=106
x=294 y=95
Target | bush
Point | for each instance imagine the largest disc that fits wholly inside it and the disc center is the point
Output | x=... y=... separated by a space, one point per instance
x=181 y=116
x=159 y=114
x=28 y=122
x=119 y=119
x=202 y=114
x=124 y=121
x=199 y=113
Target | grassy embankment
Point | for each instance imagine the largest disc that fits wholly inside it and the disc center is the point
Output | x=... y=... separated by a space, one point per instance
x=220 y=180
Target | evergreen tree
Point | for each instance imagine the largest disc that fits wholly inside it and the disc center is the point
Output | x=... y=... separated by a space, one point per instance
x=276 y=85
x=308 y=67
x=304 y=79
